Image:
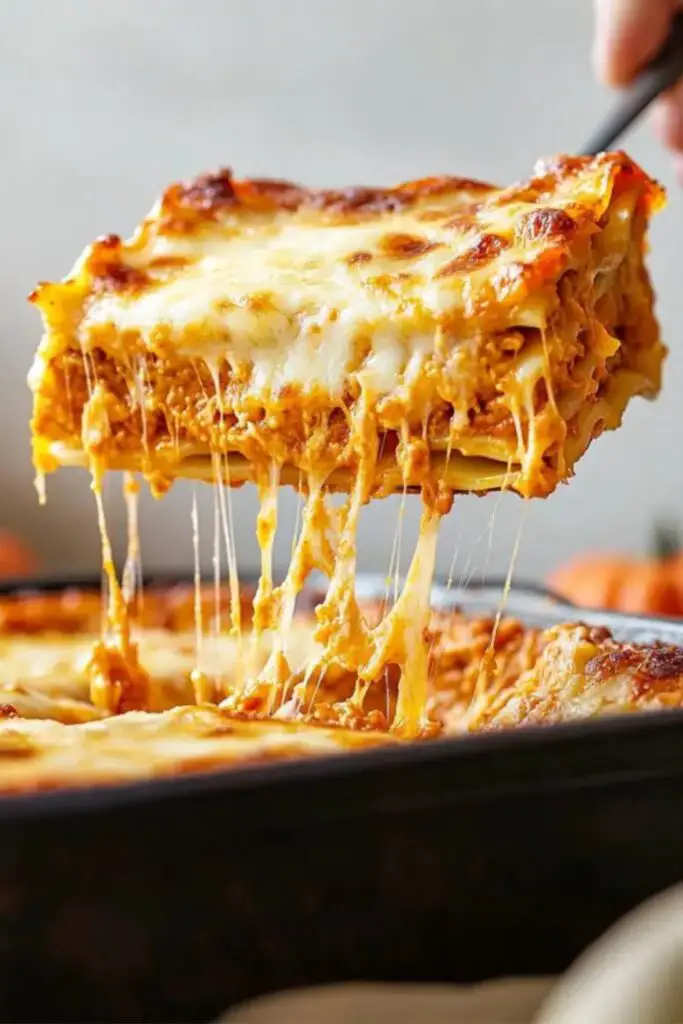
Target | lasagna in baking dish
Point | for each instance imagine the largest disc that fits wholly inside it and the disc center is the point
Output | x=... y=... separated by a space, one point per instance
x=53 y=735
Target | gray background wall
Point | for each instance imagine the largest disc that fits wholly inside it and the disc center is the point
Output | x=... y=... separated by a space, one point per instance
x=102 y=104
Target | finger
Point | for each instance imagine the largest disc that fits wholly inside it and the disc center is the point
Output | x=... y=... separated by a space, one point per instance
x=628 y=33
x=667 y=115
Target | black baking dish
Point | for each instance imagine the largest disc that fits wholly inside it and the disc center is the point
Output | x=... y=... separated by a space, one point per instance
x=457 y=860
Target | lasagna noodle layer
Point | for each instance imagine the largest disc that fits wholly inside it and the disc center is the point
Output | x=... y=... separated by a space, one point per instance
x=42 y=755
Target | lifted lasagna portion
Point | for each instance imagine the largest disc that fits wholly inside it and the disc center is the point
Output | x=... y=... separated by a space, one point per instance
x=442 y=333
x=439 y=336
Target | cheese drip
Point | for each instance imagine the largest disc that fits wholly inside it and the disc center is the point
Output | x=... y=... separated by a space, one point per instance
x=118 y=682
x=327 y=542
x=132 y=571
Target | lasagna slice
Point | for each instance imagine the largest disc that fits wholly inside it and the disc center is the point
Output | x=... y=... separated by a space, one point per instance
x=439 y=336
x=442 y=332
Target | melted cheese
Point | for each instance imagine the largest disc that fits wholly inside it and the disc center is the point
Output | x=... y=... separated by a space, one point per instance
x=52 y=668
x=310 y=299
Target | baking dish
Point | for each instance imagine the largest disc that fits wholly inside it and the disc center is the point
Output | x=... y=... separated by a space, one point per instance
x=457 y=860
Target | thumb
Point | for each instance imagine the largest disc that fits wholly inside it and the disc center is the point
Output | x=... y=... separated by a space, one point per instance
x=628 y=34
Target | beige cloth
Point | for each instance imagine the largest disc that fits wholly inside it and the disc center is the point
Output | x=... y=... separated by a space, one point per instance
x=498 y=1002
x=632 y=975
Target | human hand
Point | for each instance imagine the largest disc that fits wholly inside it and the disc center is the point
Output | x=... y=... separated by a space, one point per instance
x=628 y=33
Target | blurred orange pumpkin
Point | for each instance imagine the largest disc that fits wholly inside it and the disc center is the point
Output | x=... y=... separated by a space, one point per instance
x=638 y=586
x=16 y=559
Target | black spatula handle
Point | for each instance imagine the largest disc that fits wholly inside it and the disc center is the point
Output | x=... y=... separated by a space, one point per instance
x=659 y=75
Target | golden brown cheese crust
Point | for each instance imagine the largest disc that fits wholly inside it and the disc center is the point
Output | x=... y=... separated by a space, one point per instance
x=187 y=204
x=582 y=672
x=506 y=328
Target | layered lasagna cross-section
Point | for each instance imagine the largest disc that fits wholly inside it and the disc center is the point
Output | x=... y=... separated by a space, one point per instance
x=439 y=333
